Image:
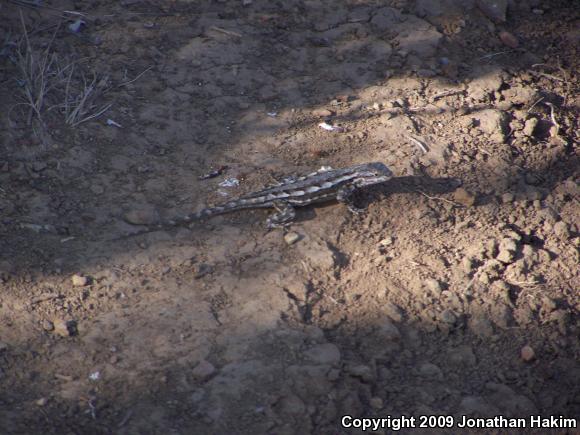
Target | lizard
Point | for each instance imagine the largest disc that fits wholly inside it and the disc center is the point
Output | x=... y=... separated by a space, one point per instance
x=326 y=184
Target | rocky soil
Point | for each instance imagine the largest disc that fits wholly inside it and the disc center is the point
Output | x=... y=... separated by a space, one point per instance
x=455 y=292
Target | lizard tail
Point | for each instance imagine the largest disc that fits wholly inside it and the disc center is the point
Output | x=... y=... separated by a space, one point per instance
x=182 y=220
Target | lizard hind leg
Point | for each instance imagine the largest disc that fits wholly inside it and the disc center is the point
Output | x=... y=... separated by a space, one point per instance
x=345 y=196
x=284 y=215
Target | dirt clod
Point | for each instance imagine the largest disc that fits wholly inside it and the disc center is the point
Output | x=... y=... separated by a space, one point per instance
x=64 y=328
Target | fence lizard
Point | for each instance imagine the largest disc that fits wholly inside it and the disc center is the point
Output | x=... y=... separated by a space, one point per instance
x=320 y=186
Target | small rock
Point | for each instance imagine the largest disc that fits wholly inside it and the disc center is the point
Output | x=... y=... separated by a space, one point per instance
x=507 y=250
x=394 y=312
x=291 y=405
x=494 y=9
x=448 y=316
x=322 y=113
x=481 y=326
x=492 y=122
x=530 y=126
x=97 y=189
x=333 y=375
x=318 y=254
x=478 y=406
x=65 y=328
x=142 y=216
x=527 y=353
x=502 y=315
x=363 y=372
x=203 y=370
x=79 y=280
x=376 y=402
x=561 y=230
x=298 y=289
x=509 y=401
x=462 y=356
x=387 y=241
x=42 y=401
x=291 y=237
x=388 y=332
x=326 y=353
x=548 y=304
x=508 y=39
x=202 y=269
x=431 y=371
x=464 y=197
x=507 y=197
x=47 y=325
x=433 y=286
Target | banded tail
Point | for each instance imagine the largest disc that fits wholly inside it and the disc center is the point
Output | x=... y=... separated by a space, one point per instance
x=240 y=204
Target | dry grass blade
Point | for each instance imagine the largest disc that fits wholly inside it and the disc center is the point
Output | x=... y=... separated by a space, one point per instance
x=79 y=106
x=47 y=82
x=35 y=75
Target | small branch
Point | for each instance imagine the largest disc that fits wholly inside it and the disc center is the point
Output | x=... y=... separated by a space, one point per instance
x=131 y=81
x=226 y=32
x=553 y=117
x=438 y=198
x=534 y=105
x=420 y=144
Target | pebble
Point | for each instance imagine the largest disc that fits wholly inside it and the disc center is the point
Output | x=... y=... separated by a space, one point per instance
x=79 y=280
x=462 y=356
x=291 y=405
x=298 y=289
x=387 y=241
x=429 y=370
x=202 y=269
x=527 y=353
x=477 y=405
x=508 y=39
x=507 y=197
x=448 y=316
x=394 y=312
x=494 y=9
x=203 y=370
x=464 y=197
x=322 y=113
x=561 y=230
x=507 y=250
x=502 y=315
x=548 y=304
x=291 y=237
x=65 y=328
x=433 y=286
x=142 y=216
x=326 y=353
x=47 y=325
x=530 y=127
x=97 y=189
x=481 y=326
x=363 y=372
x=388 y=332
x=42 y=401
x=376 y=402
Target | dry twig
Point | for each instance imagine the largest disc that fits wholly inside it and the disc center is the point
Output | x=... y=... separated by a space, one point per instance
x=420 y=144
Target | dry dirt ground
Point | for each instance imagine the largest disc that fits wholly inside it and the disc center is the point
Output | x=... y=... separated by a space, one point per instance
x=454 y=293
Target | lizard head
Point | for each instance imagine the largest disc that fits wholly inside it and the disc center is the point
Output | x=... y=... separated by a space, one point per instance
x=372 y=173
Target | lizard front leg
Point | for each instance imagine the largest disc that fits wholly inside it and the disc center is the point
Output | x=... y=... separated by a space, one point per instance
x=285 y=214
x=345 y=196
